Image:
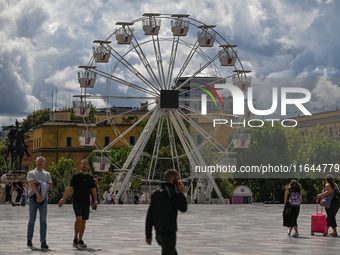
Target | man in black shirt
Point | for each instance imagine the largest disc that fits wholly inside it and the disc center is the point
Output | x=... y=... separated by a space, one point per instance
x=82 y=184
x=136 y=199
x=162 y=213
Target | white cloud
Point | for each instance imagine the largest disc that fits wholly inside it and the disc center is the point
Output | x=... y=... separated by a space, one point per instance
x=43 y=42
x=326 y=93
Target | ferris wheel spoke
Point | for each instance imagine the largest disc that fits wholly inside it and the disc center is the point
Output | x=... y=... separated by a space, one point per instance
x=129 y=84
x=132 y=69
x=201 y=69
x=213 y=66
x=138 y=148
x=186 y=62
x=118 y=115
x=130 y=128
x=205 y=134
x=145 y=61
x=208 y=116
x=158 y=55
x=174 y=48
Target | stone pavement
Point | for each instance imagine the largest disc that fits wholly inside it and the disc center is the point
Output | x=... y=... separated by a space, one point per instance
x=204 y=229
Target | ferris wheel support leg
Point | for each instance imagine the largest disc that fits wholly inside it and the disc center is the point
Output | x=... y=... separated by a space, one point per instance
x=193 y=161
x=199 y=156
x=172 y=143
x=138 y=148
x=154 y=158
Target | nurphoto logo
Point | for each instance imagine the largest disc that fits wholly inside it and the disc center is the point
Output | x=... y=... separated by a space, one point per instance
x=239 y=99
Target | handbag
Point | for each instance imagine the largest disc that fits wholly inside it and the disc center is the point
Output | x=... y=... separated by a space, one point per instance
x=326 y=200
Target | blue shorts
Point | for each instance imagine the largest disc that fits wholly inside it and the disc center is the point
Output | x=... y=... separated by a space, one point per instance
x=82 y=210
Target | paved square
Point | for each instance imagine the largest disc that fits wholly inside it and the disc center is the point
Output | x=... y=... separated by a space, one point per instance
x=204 y=229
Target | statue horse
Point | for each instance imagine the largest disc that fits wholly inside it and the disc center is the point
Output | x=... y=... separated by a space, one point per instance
x=17 y=146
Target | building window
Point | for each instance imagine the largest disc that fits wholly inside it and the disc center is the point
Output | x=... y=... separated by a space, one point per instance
x=199 y=139
x=331 y=131
x=195 y=119
x=132 y=139
x=39 y=141
x=35 y=145
x=106 y=140
x=69 y=141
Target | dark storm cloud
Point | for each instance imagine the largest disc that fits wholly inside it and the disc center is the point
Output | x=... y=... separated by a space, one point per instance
x=30 y=21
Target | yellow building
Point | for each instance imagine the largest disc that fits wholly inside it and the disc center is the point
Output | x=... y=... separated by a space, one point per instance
x=329 y=123
x=59 y=137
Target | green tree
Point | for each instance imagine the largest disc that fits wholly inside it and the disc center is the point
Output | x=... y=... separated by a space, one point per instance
x=36 y=118
x=61 y=174
x=269 y=145
x=3 y=147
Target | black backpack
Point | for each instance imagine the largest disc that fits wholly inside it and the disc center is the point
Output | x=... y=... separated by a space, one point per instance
x=336 y=197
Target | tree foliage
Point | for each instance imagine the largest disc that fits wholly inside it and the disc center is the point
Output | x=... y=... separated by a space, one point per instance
x=36 y=118
x=61 y=174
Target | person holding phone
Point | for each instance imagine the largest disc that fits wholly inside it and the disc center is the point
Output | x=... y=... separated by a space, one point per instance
x=163 y=210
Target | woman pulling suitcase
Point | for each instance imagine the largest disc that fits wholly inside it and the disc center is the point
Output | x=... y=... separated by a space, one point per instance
x=330 y=187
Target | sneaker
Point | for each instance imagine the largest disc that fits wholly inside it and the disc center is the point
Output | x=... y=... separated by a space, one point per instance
x=81 y=244
x=29 y=243
x=75 y=242
x=44 y=245
x=333 y=234
x=295 y=234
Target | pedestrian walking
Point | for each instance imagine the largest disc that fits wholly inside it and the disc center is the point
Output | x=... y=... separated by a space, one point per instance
x=82 y=185
x=142 y=198
x=333 y=209
x=163 y=210
x=136 y=199
x=108 y=197
x=39 y=183
x=292 y=200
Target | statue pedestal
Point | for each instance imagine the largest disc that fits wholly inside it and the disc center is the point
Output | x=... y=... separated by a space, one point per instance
x=12 y=176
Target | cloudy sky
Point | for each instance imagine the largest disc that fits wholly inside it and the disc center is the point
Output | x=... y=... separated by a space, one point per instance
x=42 y=43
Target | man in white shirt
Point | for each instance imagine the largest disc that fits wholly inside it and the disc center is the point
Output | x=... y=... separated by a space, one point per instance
x=36 y=202
x=108 y=197
x=142 y=199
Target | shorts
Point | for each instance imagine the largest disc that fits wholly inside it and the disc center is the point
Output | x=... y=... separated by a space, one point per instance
x=82 y=210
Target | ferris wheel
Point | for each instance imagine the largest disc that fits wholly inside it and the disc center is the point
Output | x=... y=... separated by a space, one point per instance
x=169 y=61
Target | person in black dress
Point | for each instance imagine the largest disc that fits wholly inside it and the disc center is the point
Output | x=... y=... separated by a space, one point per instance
x=334 y=207
x=291 y=212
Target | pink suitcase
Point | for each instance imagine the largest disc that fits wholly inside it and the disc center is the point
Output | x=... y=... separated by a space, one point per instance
x=319 y=222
